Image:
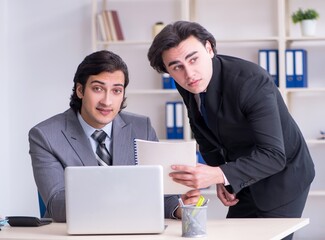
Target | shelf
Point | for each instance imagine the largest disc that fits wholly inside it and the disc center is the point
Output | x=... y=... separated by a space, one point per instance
x=315 y=141
x=317 y=193
x=222 y=40
x=125 y=42
x=243 y=40
x=152 y=91
x=296 y=90
x=309 y=39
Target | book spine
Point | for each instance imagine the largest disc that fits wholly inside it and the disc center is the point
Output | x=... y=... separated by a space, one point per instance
x=106 y=26
x=101 y=26
x=117 y=24
x=111 y=25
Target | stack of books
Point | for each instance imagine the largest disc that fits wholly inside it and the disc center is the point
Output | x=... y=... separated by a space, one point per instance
x=109 y=26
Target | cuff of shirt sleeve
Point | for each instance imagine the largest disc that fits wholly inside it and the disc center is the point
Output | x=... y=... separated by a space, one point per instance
x=225 y=179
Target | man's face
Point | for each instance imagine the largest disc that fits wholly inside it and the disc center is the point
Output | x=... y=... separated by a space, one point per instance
x=101 y=98
x=190 y=64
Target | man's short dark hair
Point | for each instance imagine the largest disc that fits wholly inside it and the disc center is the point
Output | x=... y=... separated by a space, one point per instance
x=171 y=36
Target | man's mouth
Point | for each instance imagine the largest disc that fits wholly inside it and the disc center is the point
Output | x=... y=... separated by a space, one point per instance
x=193 y=83
x=105 y=111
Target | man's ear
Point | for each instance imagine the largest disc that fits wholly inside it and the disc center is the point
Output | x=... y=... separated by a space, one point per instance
x=79 y=91
x=209 y=48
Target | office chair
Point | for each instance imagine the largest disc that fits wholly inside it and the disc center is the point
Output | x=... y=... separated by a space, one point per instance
x=42 y=207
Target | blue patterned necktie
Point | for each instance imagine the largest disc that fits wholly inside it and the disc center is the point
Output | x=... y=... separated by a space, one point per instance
x=202 y=107
x=102 y=152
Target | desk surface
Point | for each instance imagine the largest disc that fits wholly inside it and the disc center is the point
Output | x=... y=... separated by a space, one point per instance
x=227 y=229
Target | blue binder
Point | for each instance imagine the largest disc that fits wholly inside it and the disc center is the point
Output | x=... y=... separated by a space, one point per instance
x=290 y=73
x=168 y=81
x=170 y=119
x=200 y=158
x=268 y=59
x=174 y=120
x=179 y=122
x=300 y=67
x=296 y=68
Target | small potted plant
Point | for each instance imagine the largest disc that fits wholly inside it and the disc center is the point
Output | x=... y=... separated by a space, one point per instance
x=307 y=19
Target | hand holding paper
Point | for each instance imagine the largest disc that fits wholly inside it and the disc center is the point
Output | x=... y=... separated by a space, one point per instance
x=167 y=154
x=198 y=177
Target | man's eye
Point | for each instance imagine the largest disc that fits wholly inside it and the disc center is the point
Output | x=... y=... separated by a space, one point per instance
x=178 y=67
x=117 y=91
x=98 y=89
x=193 y=60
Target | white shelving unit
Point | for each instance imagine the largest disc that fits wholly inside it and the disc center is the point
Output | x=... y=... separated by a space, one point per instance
x=144 y=93
x=241 y=28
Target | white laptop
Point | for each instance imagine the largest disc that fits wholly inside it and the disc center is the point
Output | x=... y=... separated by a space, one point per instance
x=114 y=199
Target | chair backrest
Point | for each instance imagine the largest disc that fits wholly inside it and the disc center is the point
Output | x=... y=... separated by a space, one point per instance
x=42 y=207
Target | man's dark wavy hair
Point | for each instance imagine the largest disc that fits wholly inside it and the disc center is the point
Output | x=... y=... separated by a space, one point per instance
x=93 y=64
x=171 y=36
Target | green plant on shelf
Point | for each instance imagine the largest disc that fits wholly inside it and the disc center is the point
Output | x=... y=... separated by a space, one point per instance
x=308 y=14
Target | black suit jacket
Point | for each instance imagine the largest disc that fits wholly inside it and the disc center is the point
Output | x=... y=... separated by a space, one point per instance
x=251 y=134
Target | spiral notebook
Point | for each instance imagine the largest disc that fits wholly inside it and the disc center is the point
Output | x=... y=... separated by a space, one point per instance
x=166 y=154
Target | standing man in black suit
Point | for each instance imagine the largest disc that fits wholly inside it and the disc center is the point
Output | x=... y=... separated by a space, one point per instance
x=253 y=148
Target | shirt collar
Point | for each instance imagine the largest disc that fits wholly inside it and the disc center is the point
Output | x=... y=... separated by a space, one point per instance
x=89 y=130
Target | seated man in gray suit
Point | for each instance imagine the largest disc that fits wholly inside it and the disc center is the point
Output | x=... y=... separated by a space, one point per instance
x=67 y=139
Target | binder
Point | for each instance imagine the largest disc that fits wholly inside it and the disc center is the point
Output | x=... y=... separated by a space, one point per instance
x=170 y=116
x=174 y=120
x=289 y=57
x=168 y=81
x=199 y=158
x=179 y=123
x=273 y=65
x=268 y=59
x=262 y=58
x=300 y=68
x=296 y=68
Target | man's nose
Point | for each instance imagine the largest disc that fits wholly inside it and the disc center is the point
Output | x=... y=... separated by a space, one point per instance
x=189 y=73
x=107 y=99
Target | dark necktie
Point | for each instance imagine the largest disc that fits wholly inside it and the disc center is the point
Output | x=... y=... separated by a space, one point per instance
x=102 y=152
x=202 y=107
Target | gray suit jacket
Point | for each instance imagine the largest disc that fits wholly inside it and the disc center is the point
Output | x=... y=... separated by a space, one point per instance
x=60 y=141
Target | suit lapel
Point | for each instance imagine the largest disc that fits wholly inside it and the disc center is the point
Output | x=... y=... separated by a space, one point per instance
x=122 y=136
x=78 y=140
x=213 y=104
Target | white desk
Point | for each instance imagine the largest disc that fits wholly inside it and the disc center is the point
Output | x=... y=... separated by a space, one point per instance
x=226 y=229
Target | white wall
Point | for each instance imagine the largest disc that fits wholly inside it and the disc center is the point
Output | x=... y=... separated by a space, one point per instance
x=41 y=44
x=4 y=120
